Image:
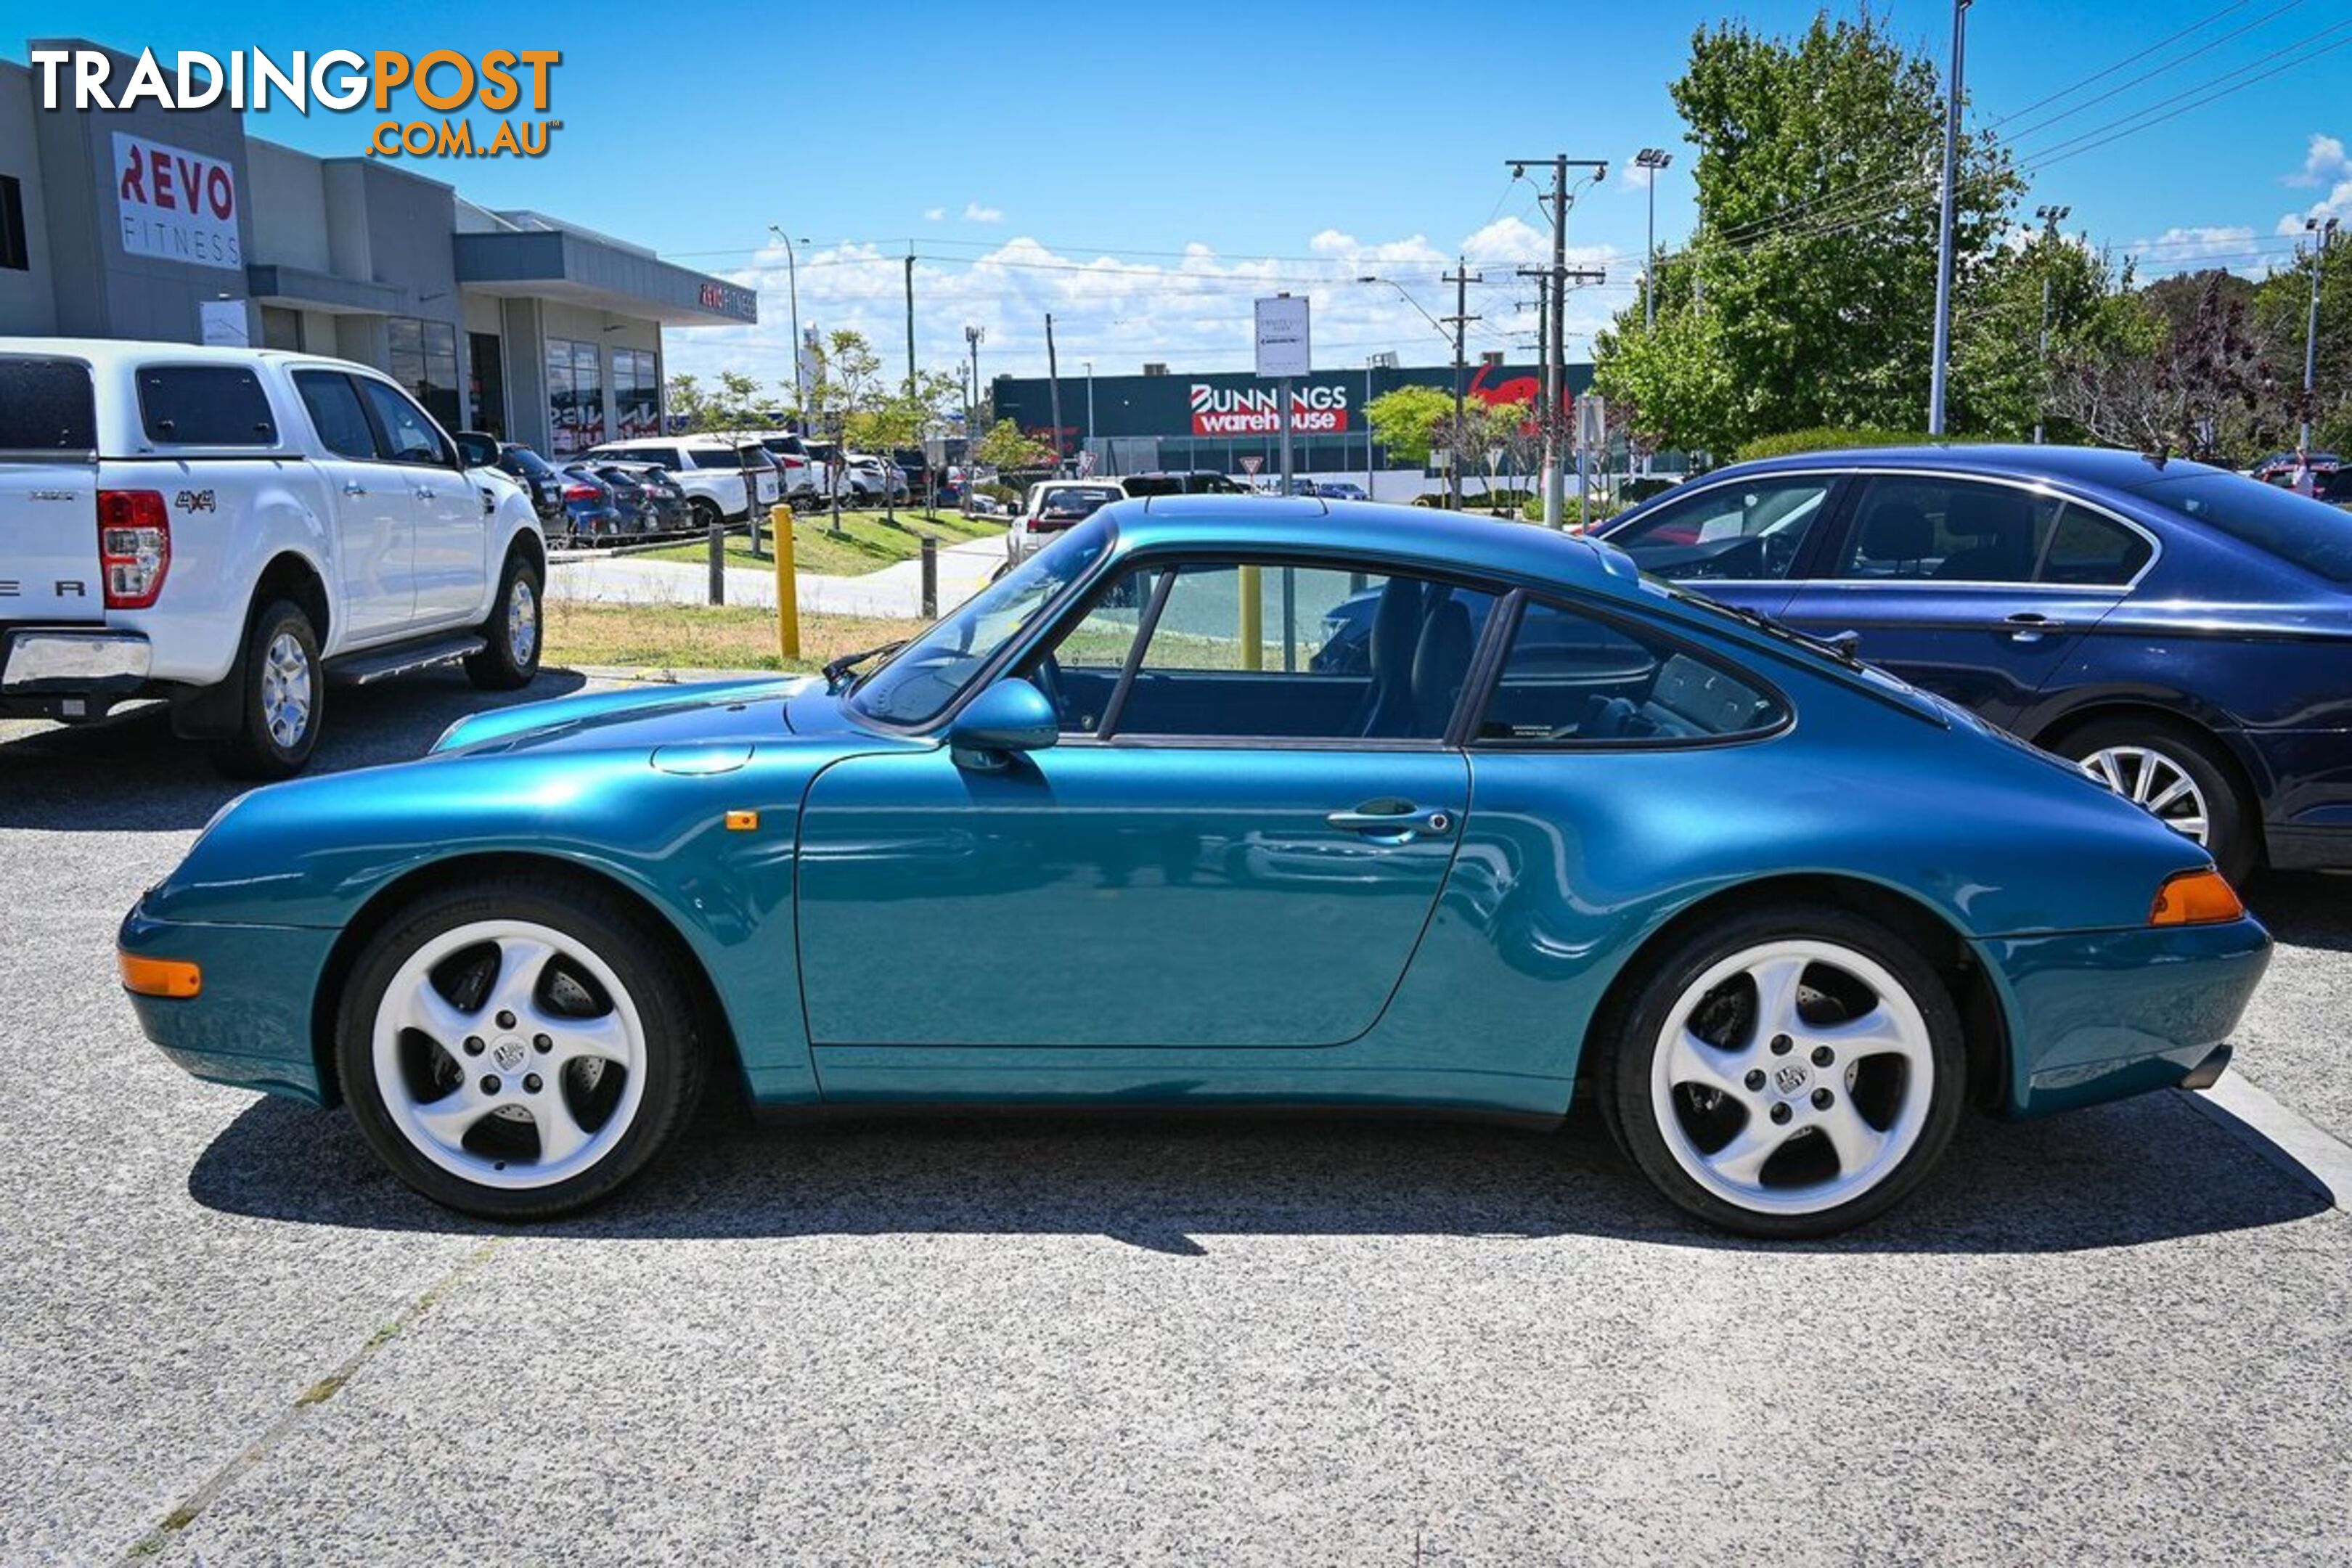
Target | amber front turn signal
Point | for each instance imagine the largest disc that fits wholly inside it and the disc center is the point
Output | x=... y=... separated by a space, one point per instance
x=160 y=976
x=2195 y=898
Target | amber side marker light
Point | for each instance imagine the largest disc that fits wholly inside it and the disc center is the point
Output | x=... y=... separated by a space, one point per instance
x=742 y=822
x=160 y=976
x=2195 y=898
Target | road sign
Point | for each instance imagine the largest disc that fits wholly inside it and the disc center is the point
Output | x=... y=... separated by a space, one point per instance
x=1250 y=465
x=1282 y=346
x=1591 y=421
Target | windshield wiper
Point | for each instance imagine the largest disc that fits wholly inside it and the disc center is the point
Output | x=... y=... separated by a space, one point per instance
x=849 y=661
x=1845 y=646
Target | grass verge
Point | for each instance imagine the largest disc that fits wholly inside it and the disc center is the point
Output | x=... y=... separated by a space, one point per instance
x=673 y=637
x=867 y=541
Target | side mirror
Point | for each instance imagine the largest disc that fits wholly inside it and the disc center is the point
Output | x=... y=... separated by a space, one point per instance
x=1010 y=716
x=475 y=450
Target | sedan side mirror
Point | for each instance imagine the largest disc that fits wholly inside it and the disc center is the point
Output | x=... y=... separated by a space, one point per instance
x=1010 y=716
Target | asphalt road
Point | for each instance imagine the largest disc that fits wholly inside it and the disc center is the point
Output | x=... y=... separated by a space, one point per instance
x=226 y=1336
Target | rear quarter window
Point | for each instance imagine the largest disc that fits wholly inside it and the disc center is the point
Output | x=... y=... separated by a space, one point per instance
x=2310 y=533
x=47 y=405
x=205 y=406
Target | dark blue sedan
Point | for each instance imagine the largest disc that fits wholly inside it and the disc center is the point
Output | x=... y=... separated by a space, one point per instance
x=2183 y=633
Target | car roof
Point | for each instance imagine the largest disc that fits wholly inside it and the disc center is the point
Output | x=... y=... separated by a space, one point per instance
x=2103 y=467
x=1481 y=546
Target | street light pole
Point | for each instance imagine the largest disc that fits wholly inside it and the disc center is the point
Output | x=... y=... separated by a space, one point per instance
x=1090 y=404
x=792 y=284
x=2326 y=236
x=1653 y=159
x=971 y=336
x=1939 y=372
x=2050 y=217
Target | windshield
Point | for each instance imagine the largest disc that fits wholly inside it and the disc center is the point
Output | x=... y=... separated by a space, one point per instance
x=1077 y=503
x=2311 y=534
x=930 y=672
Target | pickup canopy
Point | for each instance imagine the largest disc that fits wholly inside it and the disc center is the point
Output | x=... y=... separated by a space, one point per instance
x=48 y=491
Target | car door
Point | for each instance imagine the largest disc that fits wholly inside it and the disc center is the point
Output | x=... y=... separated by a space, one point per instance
x=1976 y=589
x=1181 y=871
x=452 y=531
x=1742 y=540
x=374 y=509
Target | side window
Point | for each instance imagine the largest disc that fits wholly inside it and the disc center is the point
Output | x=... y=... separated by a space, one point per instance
x=409 y=434
x=335 y=411
x=1729 y=532
x=2092 y=550
x=1276 y=652
x=206 y=406
x=1571 y=677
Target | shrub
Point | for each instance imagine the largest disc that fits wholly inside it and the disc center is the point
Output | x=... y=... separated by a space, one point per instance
x=1825 y=438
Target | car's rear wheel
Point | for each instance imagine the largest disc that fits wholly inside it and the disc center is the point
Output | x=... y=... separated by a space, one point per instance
x=282 y=699
x=1789 y=1072
x=2175 y=776
x=518 y=1048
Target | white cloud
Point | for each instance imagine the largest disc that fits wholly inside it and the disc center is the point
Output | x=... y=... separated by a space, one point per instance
x=975 y=213
x=1190 y=311
x=2195 y=242
x=2324 y=162
x=934 y=214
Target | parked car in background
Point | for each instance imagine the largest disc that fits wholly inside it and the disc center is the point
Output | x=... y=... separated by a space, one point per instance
x=1339 y=490
x=880 y=478
x=665 y=500
x=1784 y=920
x=2180 y=633
x=2278 y=469
x=1176 y=482
x=630 y=497
x=1053 y=507
x=723 y=477
x=226 y=528
x=592 y=513
x=537 y=476
x=796 y=471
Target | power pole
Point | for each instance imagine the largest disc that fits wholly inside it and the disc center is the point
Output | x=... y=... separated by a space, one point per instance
x=971 y=336
x=2050 y=217
x=1552 y=284
x=1555 y=339
x=910 y=320
x=1461 y=278
x=1054 y=393
x=1940 y=371
x=2325 y=233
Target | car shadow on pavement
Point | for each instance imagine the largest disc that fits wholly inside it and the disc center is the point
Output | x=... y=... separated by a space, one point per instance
x=2143 y=1171
x=2303 y=908
x=130 y=774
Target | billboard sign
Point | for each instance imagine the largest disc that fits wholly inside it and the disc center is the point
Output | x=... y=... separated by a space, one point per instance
x=176 y=205
x=1257 y=410
x=1282 y=346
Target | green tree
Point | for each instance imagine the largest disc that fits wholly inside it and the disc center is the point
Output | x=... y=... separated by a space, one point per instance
x=1806 y=294
x=1406 y=421
x=1007 y=448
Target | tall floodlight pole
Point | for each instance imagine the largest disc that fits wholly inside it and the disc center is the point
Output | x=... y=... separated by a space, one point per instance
x=2325 y=233
x=1939 y=372
x=2050 y=217
x=1654 y=159
x=793 y=286
x=972 y=337
x=1090 y=403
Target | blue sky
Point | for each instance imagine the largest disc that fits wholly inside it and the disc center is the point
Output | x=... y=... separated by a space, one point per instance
x=1141 y=171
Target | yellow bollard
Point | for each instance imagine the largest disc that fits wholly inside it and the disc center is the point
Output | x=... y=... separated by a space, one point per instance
x=788 y=589
x=1253 y=626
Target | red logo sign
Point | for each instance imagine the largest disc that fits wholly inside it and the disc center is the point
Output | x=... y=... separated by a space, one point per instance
x=1258 y=411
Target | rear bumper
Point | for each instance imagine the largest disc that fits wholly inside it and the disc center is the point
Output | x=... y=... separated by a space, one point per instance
x=250 y=1027
x=2098 y=1016
x=61 y=673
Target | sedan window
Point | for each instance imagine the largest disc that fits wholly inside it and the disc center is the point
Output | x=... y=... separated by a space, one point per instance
x=1575 y=677
x=1743 y=531
x=2311 y=534
x=1961 y=530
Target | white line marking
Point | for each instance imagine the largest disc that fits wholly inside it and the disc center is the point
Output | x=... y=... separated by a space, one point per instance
x=2286 y=1138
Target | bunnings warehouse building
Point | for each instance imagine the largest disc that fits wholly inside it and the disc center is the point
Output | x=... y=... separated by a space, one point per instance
x=1214 y=419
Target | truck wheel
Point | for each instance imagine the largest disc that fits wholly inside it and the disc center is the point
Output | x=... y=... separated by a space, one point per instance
x=513 y=631
x=283 y=699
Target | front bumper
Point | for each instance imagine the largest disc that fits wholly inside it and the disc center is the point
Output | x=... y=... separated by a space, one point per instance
x=2097 y=1015
x=251 y=1026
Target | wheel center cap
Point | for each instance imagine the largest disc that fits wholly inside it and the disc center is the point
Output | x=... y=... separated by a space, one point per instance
x=508 y=1053
x=1788 y=1077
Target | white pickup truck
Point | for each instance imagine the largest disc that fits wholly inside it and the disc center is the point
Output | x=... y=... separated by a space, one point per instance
x=228 y=528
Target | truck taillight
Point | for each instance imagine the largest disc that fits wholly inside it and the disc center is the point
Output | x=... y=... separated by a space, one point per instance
x=135 y=546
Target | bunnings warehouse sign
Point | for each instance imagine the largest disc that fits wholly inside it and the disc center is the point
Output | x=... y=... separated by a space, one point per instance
x=1238 y=406
x=1257 y=410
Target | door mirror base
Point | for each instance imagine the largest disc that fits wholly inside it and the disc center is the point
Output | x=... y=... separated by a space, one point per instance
x=1011 y=716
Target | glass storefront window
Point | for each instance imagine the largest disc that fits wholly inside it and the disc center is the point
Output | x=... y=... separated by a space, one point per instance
x=637 y=394
x=424 y=361
x=576 y=396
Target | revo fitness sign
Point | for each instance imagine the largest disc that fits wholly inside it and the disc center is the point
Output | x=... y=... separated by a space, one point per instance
x=177 y=205
x=1257 y=410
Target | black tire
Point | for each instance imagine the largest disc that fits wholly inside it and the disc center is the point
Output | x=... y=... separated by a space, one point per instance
x=1630 y=1033
x=501 y=666
x=706 y=513
x=2231 y=835
x=600 y=923
x=261 y=747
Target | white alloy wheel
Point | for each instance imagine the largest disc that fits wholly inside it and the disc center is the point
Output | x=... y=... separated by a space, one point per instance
x=1792 y=1077
x=522 y=621
x=509 y=1054
x=2156 y=782
x=286 y=689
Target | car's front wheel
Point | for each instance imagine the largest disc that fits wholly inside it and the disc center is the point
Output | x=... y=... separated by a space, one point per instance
x=1789 y=1072
x=514 y=634
x=519 y=1048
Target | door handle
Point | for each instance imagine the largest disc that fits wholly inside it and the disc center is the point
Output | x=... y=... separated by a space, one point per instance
x=2028 y=625
x=1399 y=821
x=351 y=488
